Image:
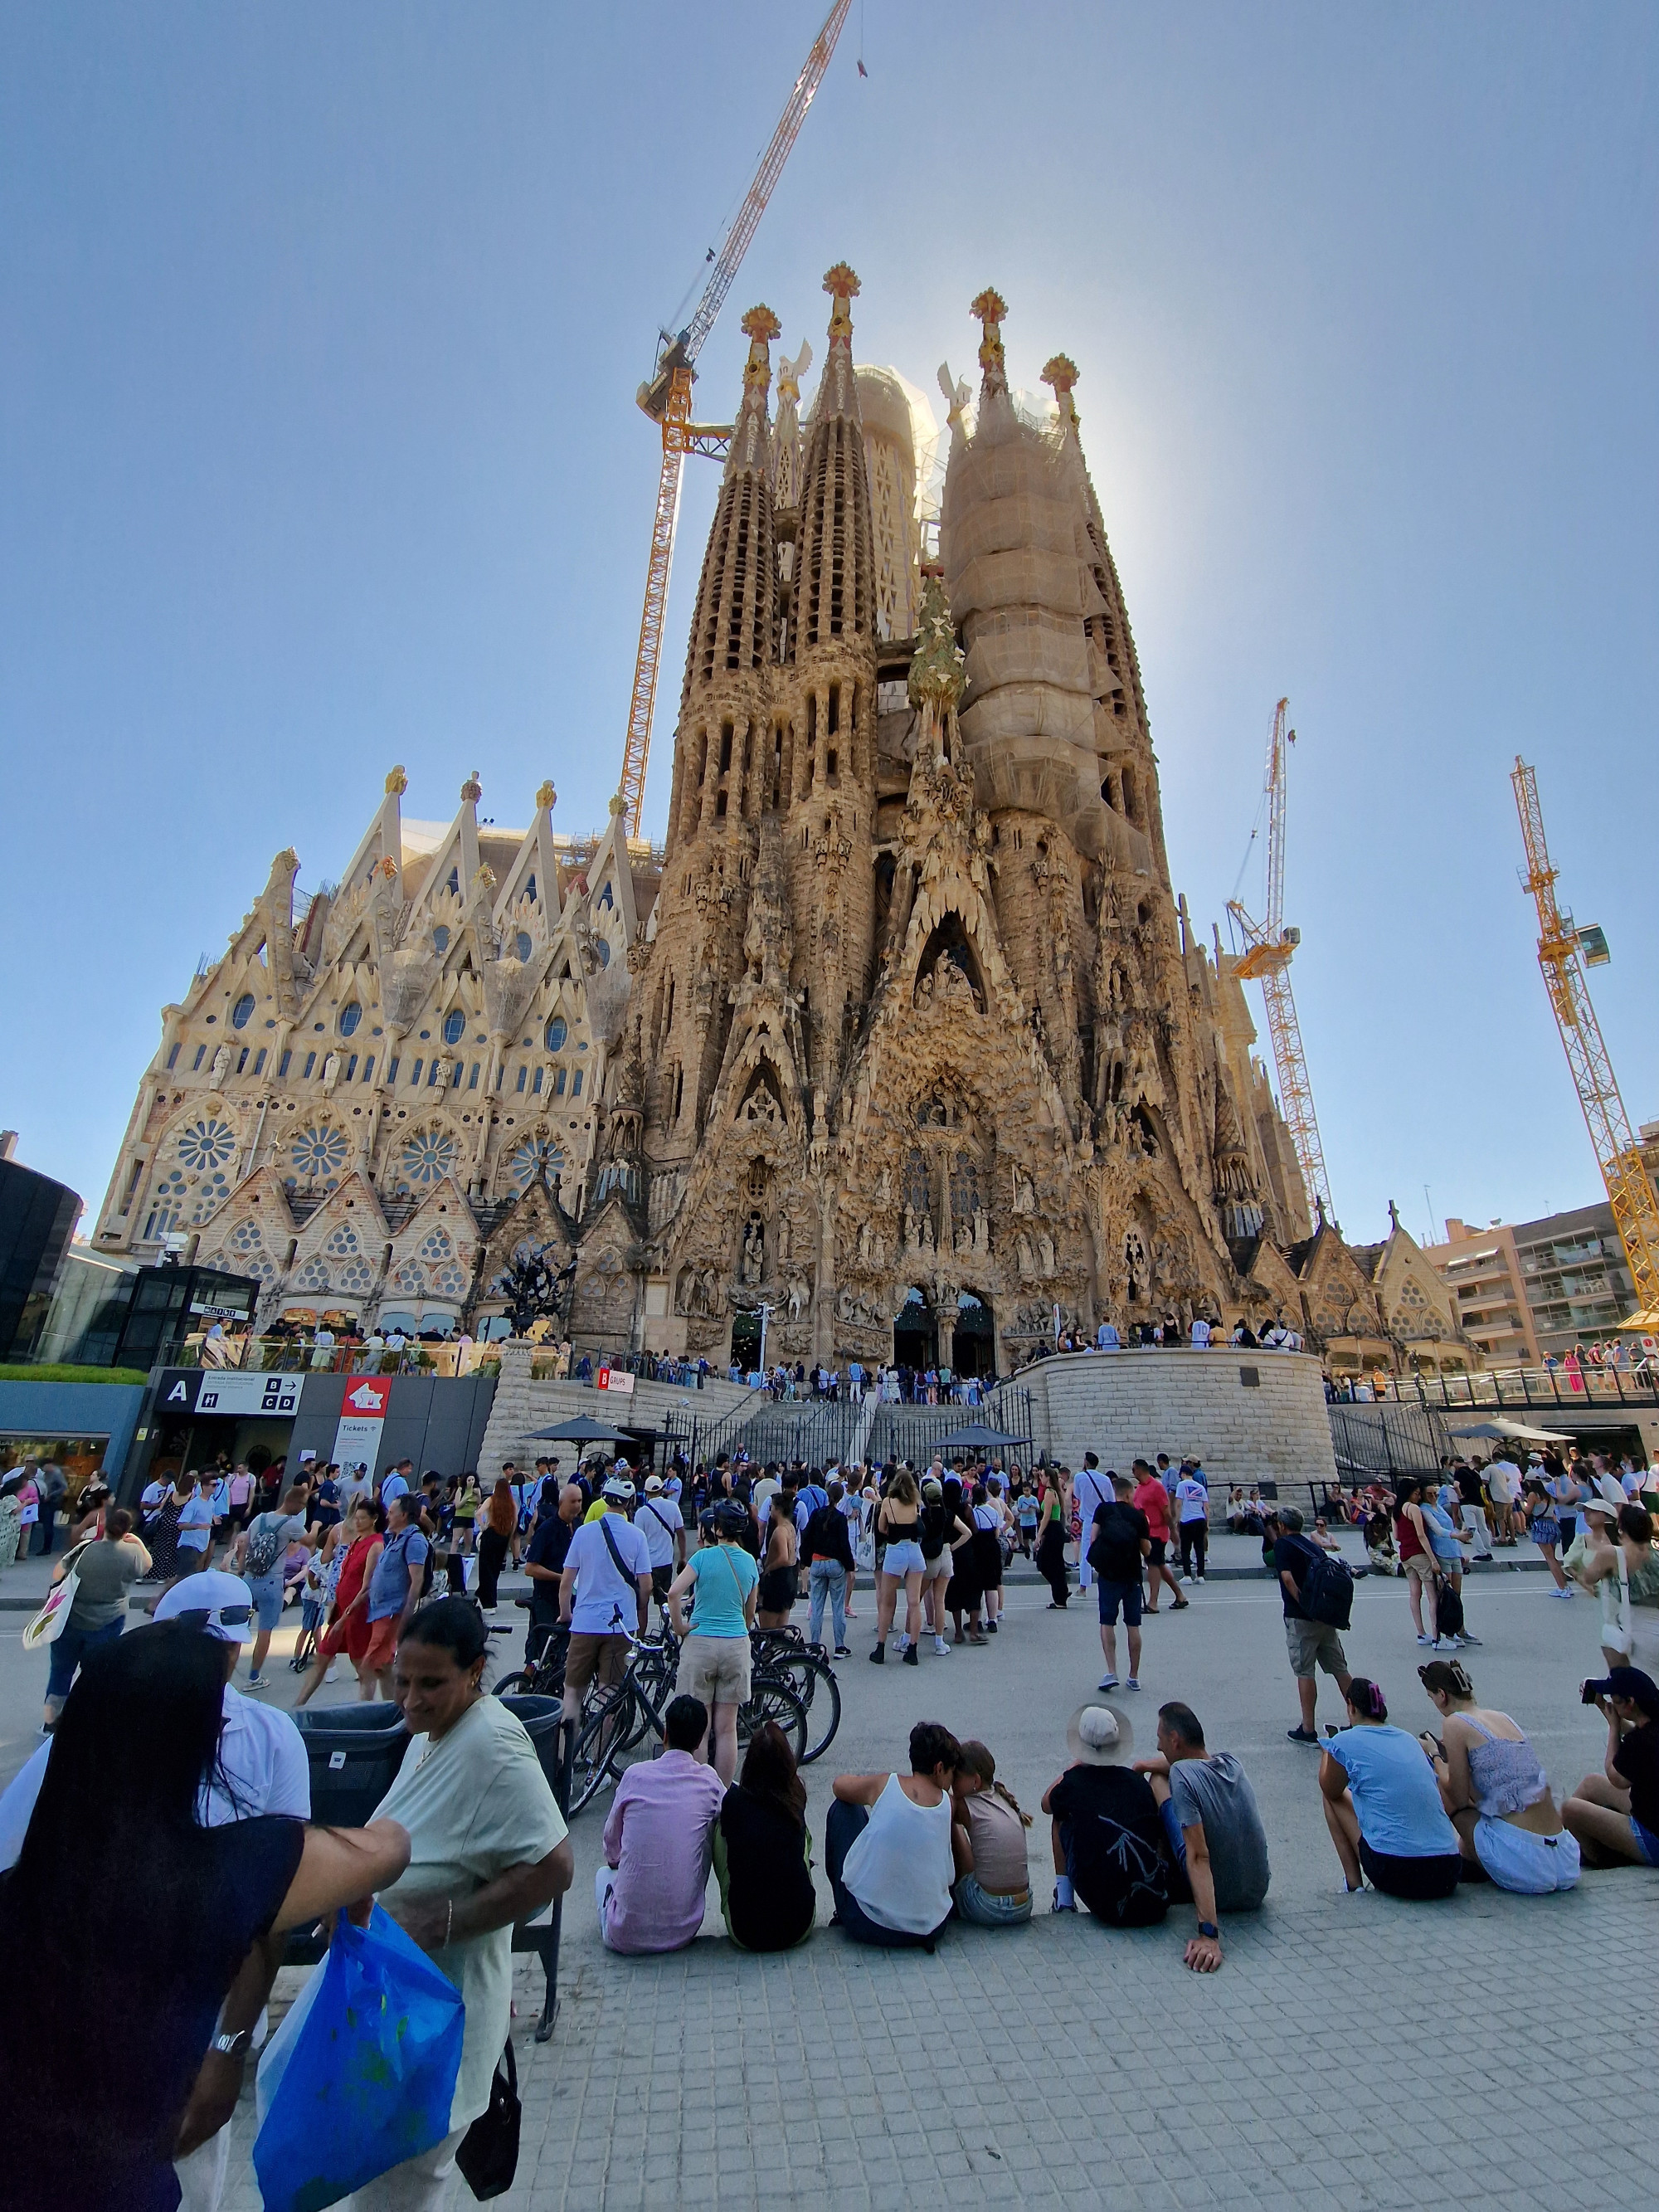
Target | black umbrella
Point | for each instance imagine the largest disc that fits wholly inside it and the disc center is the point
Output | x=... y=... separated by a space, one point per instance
x=976 y=1438
x=581 y=1431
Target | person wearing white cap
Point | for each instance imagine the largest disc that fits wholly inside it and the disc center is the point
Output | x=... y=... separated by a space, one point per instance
x=261 y=1768
x=660 y=1522
x=1109 y=1846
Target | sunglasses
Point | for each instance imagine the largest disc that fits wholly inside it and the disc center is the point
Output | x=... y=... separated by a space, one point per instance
x=230 y=1616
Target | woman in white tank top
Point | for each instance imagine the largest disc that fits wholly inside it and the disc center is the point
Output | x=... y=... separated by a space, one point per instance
x=887 y=1845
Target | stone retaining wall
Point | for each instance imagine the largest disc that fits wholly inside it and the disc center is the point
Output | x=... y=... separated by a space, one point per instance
x=522 y=1406
x=1126 y=1405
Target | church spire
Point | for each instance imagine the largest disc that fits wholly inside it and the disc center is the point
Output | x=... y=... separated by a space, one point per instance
x=989 y=309
x=837 y=565
x=733 y=627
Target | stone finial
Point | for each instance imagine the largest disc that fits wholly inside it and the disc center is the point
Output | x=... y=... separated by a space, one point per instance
x=386 y=866
x=485 y=878
x=843 y=286
x=989 y=308
x=471 y=790
x=790 y=372
x=545 y=795
x=396 y=784
x=938 y=666
x=760 y=327
x=618 y=803
x=1060 y=374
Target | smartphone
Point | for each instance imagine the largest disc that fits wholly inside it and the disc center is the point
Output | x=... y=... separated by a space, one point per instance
x=1331 y=1729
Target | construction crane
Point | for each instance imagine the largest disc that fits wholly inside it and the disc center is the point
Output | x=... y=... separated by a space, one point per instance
x=1268 y=947
x=1564 y=951
x=667 y=398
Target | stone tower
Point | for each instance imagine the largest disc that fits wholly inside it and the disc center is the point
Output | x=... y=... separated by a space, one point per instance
x=920 y=1046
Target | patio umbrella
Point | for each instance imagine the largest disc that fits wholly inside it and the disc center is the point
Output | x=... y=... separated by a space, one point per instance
x=1513 y=1432
x=581 y=1431
x=976 y=1437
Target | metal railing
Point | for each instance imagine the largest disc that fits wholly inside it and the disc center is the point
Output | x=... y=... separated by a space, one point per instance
x=913 y=1433
x=285 y=1355
x=1516 y=1389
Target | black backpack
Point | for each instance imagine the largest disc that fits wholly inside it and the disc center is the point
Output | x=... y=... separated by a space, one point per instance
x=1140 y=1878
x=1448 y=1609
x=1327 y=1591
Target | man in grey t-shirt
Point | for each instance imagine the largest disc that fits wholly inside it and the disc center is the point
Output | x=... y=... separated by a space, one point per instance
x=1214 y=1831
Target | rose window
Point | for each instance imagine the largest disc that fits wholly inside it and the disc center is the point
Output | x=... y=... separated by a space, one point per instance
x=206 y=1145
x=429 y=1156
x=318 y=1153
x=211 y=1193
x=411 y=1278
x=314 y=1276
x=342 y=1242
x=538 y=1159
x=437 y=1246
x=356 y=1278
x=245 y=1237
x=449 y=1282
x=166 y=1205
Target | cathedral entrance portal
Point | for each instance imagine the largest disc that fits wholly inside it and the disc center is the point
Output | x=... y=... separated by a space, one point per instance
x=973 y=1345
x=746 y=1339
x=916 y=1334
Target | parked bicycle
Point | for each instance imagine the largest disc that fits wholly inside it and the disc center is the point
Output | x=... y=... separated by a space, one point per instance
x=806 y=1668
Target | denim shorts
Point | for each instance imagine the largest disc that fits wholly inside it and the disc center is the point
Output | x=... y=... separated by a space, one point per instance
x=1646 y=1842
x=901 y=1559
x=985 y=1911
x=265 y=1592
x=1113 y=1595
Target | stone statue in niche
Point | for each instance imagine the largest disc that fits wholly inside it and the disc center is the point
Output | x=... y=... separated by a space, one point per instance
x=981 y=1240
x=799 y=1295
x=1024 y=1257
x=331 y=1069
x=1046 y=1251
x=785 y=1241
x=963 y=1238
x=220 y=1064
x=752 y=1266
x=1024 y=1192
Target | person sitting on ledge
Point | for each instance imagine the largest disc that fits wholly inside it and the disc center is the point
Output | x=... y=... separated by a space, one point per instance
x=993 y=1881
x=1615 y=1814
x=658 y=1840
x=763 y=1852
x=1382 y=1805
x=1107 y=1833
x=1215 y=1833
x=887 y=1846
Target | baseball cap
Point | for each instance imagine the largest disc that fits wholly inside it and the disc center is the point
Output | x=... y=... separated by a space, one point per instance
x=653 y=1486
x=219 y=1603
x=1631 y=1682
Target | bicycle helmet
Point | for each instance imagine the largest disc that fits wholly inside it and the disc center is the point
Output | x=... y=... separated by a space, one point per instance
x=619 y=1491
x=730 y=1521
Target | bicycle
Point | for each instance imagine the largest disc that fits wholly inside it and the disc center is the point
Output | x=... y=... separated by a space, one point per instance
x=807 y=1669
x=544 y=1676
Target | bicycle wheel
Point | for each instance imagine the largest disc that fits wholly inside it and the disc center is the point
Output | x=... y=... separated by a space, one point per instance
x=820 y=1692
x=602 y=1738
x=771 y=1699
x=514 y=1685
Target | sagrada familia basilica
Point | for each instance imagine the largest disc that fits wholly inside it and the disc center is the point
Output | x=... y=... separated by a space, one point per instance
x=902 y=1034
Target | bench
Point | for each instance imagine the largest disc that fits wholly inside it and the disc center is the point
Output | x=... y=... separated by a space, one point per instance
x=355 y=1753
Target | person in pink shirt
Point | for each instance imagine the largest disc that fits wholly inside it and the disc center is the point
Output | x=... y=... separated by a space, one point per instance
x=1153 y=1500
x=658 y=1838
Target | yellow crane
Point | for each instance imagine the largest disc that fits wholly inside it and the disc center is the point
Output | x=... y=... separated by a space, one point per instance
x=667 y=398
x=1565 y=951
x=1268 y=946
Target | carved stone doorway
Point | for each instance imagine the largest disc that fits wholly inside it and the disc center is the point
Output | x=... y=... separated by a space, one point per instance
x=747 y=1339
x=916 y=1334
x=974 y=1344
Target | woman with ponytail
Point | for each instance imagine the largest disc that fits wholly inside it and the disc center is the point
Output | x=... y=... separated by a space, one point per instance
x=1382 y=1804
x=992 y=1887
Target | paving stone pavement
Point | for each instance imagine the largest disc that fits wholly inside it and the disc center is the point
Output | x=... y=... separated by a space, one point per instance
x=1352 y=2052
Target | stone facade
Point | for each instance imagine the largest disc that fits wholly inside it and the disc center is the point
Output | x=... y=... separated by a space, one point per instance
x=1129 y=1405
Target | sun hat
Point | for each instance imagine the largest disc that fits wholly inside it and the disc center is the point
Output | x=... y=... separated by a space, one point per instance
x=1098 y=1735
x=217 y=1603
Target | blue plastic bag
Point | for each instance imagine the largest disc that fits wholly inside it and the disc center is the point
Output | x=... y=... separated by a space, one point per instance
x=370 y=2075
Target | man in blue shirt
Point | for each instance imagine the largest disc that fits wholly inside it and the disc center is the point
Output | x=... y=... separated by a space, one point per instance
x=395 y=1589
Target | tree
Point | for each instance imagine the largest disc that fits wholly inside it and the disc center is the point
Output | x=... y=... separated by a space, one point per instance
x=531 y=1288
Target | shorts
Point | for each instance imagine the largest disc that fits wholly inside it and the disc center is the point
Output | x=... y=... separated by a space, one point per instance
x=1156 y=1556
x=590 y=1655
x=1415 y=1880
x=266 y=1592
x=350 y=1636
x=660 y=1579
x=1313 y=1644
x=1421 y=1568
x=381 y=1648
x=1647 y=1843
x=713 y=1668
x=985 y=1910
x=1530 y=1864
x=905 y=1558
x=1113 y=1595
x=777 y=1593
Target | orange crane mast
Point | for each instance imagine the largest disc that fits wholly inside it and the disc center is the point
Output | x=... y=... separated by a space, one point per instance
x=1268 y=946
x=1565 y=951
x=666 y=398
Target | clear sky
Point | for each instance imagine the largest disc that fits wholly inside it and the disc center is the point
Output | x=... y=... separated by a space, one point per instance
x=320 y=331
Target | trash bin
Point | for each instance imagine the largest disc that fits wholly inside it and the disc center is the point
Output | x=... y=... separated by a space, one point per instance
x=354 y=1752
x=540 y=1717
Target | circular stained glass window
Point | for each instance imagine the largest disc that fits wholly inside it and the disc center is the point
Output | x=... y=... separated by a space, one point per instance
x=349 y=1017
x=557 y=1031
x=318 y=1153
x=206 y=1145
x=603 y=951
x=440 y=938
x=242 y=1012
x=429 y=1156
x=522 y=945
x=537 y=1158
x=454 y=1026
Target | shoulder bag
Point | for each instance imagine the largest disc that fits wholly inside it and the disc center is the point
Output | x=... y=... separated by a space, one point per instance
x=47 y=1624
x=489 y=2156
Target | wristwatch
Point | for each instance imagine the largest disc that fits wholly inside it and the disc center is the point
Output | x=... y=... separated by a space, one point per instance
x=234 y=2046
x=1205 y=1928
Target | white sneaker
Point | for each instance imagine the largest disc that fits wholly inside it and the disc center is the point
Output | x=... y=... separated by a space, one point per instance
x=941 y=1649
x=1107 y=1682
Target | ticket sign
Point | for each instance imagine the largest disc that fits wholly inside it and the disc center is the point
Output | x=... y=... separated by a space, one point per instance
x=362 y=1421
x=211 y=1391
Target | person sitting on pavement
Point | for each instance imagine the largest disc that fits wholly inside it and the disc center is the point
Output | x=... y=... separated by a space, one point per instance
x=1214 y=1830
x=1494 y=1790
x=763 y=1852
x=887 y=1846
x=607 y=1578
x=1107 y=1837
x=658 y=1838
x=1382 y=1805
x=715 y=1656
x=992 y=1887
x=1311 y=1643
x=828 y=1549
x=1378 y=1538
x=1119 y=1540
x=1615 y=1814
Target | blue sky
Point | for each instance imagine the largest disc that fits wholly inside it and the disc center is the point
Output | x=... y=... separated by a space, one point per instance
x=319 y=330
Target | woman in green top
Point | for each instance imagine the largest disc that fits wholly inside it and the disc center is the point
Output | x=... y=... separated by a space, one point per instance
x=468 y=1506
